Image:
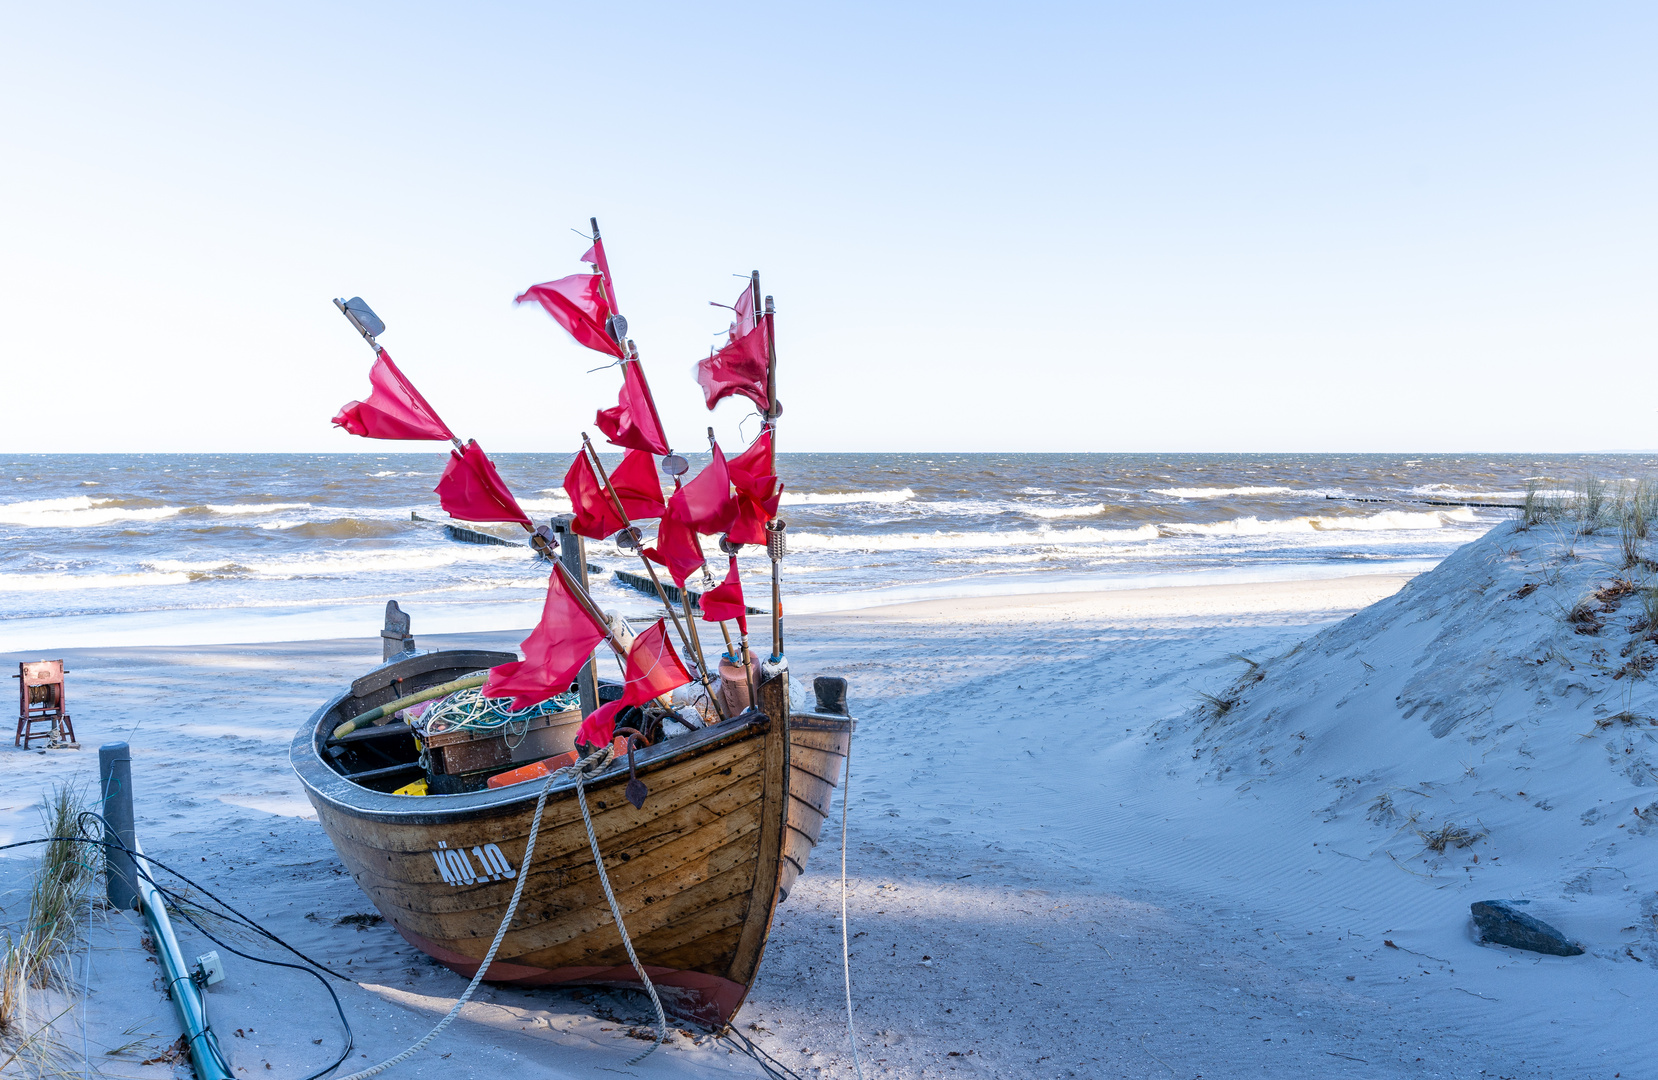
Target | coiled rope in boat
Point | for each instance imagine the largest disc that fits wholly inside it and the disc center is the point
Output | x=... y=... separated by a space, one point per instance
x=469 y=710
x=592 y=764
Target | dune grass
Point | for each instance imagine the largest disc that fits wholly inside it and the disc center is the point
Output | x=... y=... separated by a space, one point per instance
x=36 y=956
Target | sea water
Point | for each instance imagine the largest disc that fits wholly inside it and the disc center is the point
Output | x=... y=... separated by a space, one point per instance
x=215 y=548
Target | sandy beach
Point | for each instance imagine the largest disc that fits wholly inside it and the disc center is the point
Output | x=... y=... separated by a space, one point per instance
x=1038 y=887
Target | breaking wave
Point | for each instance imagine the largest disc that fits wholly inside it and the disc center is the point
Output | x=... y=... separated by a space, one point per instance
x=1064 y=511
x=1218 y=493
x=812 y=498
x=967 y=541
x=65 y=582
x=1385 y=521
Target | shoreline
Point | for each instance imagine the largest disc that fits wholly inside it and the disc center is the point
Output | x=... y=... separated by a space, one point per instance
x=1296 y=594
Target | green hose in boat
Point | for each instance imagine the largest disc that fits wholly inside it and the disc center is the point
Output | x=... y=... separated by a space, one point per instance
x=380 y=712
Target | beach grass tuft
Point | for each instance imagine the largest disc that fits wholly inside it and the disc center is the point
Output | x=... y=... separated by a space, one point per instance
x=35 y=957
x=1449 y=835
x=1216 y=704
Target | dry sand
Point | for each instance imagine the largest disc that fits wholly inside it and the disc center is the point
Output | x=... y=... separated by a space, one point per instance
x=1041 y=885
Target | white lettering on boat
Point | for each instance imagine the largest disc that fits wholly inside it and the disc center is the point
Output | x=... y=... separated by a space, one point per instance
x=455 y=865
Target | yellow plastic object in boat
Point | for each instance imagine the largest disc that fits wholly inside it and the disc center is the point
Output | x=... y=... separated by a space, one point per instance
x=416 y=788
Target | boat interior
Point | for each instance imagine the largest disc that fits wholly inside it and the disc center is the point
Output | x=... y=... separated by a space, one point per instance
x=393 y=755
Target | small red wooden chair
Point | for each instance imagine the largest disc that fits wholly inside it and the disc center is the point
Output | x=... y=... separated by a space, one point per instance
x=40 y=704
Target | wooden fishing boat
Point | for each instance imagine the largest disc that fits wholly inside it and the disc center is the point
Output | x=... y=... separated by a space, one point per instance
x=734 y=806
x=733 y=812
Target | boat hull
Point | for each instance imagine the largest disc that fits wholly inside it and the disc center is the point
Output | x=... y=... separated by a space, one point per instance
x=698 y=871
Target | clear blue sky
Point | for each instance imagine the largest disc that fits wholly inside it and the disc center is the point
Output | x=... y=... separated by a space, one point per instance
x=988 y=227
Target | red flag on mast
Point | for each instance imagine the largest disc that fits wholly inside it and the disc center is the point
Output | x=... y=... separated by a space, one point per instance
x=555 y=650
x=653 y=669
x=395 y=410
x=634 y=482
x=753 y=474
x=705 y=503
x=739 y=368
x=595 y=257
x=577 y=303
x=633 y=422
x=725 y=600
x=472 y=490
x=596 y=517
x=676 y=548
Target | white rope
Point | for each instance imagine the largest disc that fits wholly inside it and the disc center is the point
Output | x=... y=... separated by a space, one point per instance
x=846 y=951
x=616 y=912
x=595 y=763
x=506 y=921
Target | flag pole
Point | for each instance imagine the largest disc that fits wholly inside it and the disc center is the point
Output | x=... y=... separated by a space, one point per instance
x=775 y=542
x=575 y=589
x=616 y=502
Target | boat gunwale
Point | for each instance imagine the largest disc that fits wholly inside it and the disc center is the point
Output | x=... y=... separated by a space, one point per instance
x=343 y=796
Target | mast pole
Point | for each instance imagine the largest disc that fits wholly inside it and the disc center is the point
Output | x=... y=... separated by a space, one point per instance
x=776 y=545
x=592 y=609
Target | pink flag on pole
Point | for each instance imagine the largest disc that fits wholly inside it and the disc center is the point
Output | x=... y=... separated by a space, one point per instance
x=741 y=367
x=395 y=409
x=676 y=548
x=472 y=490
x=553 y=653
x=633 y=423
x=705 y=503
x=753 y=475
x=635 y=483
x=595 y=257
x=577 y=304
x=653 y=669
x=725 y=600
x=596 y=517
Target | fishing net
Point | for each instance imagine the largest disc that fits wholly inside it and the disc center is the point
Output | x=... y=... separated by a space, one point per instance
x=469 y=710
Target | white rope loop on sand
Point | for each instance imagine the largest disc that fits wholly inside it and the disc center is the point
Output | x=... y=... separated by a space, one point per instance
x=846 y=951
x=595 y=763
x=627 y=942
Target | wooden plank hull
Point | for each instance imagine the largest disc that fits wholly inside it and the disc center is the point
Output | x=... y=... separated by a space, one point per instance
x=818 y=745
x=698 y=871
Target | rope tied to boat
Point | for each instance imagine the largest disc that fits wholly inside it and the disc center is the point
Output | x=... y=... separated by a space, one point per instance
x=581 y=770
x=616 y=910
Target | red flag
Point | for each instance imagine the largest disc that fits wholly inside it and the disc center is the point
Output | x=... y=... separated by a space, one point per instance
x=577 y=304
x=739 y=368
x=725 y=600
x=705 y=503
x=653 y=669
x=471 y=489
x=633 y=423
x=676 y=548
x=749 y=526
x=555 y=650
x=634 y=482
x=744 y=310
x=595 y=257
x=754 y=473
x=596 y=516
x=395 y=410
